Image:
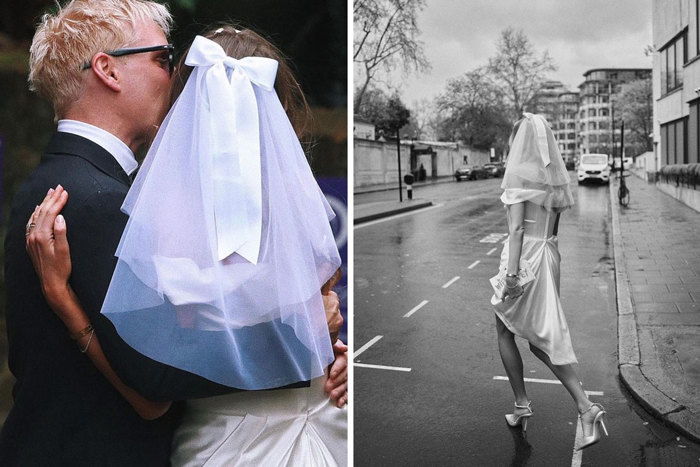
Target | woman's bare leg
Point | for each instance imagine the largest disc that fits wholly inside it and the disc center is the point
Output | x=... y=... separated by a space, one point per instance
x=512 y=362
x=567 y=375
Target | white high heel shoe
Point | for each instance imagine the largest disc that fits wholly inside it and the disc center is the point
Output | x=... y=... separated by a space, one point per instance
x=597 y=420
x=515 y=420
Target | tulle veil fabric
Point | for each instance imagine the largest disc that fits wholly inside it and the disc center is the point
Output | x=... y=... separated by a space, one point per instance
x=535 y=170
x=253 y=319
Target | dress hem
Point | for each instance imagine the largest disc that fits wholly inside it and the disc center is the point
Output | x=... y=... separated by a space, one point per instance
x=515 y=332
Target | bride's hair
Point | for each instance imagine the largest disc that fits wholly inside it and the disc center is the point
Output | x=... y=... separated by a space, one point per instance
x=247 y=43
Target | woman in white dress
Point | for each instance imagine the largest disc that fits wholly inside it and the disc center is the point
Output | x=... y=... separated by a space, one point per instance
x=536 y=191
x=228 y=238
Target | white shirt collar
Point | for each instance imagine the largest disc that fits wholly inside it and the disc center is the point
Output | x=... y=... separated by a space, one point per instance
x=113 y=145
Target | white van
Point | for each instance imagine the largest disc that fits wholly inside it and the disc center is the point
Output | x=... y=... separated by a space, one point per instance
x=594 y=167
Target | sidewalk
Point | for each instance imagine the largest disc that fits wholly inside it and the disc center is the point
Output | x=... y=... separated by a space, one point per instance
x=656 y=243
x=366 y=212
x=377 y=210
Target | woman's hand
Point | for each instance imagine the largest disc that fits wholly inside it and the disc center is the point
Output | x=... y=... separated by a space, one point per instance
x=337 y=382
x=513 y=288
x=331 y=303
x=47 y=247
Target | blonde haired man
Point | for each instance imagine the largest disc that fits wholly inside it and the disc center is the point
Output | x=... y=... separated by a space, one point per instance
x=105 y=65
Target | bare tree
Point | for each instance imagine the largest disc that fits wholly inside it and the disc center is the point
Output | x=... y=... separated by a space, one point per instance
x=518 y=70
x=385 y=35
x=634 y=106
x=471 y=110
x=422 y=121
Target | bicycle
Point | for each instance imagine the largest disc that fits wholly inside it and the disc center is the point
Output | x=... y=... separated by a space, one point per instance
x=623 y=193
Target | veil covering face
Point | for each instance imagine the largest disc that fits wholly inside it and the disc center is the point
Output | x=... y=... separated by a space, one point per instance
x=228 y=240
x=535 y=170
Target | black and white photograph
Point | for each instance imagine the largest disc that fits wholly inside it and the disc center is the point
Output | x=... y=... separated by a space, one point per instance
x=526 y=260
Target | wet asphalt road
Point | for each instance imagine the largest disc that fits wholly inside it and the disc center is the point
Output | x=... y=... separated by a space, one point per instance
x=448 y=409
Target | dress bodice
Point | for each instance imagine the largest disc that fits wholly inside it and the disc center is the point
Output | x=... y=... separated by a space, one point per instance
x=538 y=221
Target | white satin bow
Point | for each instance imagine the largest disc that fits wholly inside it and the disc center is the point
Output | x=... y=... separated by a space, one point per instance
x=234 y=143
x=542 y=144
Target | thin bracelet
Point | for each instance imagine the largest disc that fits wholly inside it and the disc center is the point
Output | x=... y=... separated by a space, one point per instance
x=92 y=333
x=76 y=336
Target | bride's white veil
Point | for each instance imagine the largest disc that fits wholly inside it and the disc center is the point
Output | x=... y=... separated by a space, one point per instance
x=228 y=240
x=535 y=170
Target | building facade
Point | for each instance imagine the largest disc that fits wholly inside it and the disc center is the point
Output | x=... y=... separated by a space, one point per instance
x=559 y=105
x=676 y=81
x=596 y=110
x=567 y=120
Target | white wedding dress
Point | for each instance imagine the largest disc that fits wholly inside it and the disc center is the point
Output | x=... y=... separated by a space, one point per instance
x=537 y=315
x=285 y=427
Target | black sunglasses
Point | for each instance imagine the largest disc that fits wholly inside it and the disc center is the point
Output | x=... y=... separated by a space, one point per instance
x=139 y=50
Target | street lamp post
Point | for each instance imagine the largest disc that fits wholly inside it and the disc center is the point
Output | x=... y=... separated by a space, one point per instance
x=398 y=158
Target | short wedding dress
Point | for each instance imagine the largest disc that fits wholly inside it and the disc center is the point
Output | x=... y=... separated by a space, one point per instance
x=537 y=315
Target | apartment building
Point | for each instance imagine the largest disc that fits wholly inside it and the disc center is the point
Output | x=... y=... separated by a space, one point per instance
x=676 y=81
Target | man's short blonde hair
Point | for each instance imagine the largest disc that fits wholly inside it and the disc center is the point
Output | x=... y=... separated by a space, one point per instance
x=65 y=41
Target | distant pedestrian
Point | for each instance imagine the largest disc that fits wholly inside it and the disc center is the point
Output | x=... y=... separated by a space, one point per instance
x=536 y=191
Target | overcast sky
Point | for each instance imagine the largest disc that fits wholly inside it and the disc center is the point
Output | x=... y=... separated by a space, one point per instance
x=460 y=35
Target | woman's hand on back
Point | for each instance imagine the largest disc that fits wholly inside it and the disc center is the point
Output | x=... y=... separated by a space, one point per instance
x=47 y=246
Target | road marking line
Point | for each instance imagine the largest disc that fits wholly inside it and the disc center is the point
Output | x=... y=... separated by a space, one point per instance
x=492 y=238
x=366 y=346
x=471 y=266
x=416 y=308
x=450 y=282
x=548 y=381
x=381 y=367
x=578 y=455
x=397 y=216
x=491 y=251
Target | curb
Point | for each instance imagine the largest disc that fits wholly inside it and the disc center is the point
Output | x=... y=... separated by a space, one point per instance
x=391 y=212
x=630 y=364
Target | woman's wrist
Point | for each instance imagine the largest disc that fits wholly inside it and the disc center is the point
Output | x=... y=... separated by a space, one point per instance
x=65 y=304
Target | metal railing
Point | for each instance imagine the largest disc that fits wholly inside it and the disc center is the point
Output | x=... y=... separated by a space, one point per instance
x=687 y=175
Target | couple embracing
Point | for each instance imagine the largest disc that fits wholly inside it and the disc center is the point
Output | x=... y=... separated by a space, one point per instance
x=223 y=266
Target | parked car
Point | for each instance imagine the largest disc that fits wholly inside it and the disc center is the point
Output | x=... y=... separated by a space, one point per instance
x=464 y=173
x=467 y=172
x=593 y=167
x=494 y=169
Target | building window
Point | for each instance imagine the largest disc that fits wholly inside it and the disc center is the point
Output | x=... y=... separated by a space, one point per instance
x=592 y=113
x=673 y=56
x=694 y=132
x=673 y=142
x=604 y=112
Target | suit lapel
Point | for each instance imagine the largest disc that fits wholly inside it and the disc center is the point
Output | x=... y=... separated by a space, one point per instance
x=74 y=145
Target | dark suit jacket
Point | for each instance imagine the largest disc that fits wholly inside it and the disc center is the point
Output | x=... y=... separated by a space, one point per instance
x=65 y=412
